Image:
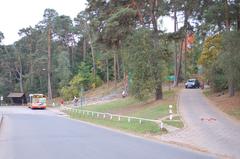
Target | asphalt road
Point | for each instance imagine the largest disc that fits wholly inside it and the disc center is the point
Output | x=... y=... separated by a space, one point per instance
x=207 y=127
x=40 y=134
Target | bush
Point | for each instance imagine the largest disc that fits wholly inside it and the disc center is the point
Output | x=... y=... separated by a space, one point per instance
x=84 y=79
x=218 y=80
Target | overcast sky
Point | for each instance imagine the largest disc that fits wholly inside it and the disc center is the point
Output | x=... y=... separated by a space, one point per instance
x=18 y=14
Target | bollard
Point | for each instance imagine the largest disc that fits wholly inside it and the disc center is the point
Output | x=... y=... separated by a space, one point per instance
x=161 y=125
x=119 y=118
x=170 y=112
x=129 y=119
x=104 y=116
x=111 y=117
x=140 y=121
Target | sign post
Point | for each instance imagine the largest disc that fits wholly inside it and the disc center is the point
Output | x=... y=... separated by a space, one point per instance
x=170 y=79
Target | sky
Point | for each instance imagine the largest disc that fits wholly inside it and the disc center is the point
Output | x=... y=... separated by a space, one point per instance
x=18 y=14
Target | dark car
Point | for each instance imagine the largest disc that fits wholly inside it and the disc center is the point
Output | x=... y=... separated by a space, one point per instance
x=192 y=83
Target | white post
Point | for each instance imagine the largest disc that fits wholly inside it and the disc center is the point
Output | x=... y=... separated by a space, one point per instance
x=111 y=117
x=140 y=121
x=1 y=99
x=170 y=112
x=104 y=116
x=129 y=119
x=119 y=118
x=161 y=125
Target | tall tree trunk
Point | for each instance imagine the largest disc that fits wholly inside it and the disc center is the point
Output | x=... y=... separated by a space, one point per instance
x=238 y=15
x=93 y=58
x=107 y=68
x=84 y=49
x=180 y=61
x=41 y=83
x=185 y=57
x=176 y=73
x=72 y=53
x=153 y=3
x=21 y=82
x=115 y=67
x=231 y=87
x=176 y=50
x=154 y=21
x=158 y=92
x=184 y=51
x=31 y=63
x=49 y=65
x=227 y=17
x=238 y=21
x=118 y=68
x=139 y=14
x=70 y=56
x=19 y=71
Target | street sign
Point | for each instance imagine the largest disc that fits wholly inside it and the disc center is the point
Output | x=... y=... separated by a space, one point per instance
x=171 y=78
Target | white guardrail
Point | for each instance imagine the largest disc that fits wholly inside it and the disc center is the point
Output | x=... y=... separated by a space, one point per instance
x=110 y=116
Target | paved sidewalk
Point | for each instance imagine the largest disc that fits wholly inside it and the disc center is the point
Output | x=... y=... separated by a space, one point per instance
x=206 y=127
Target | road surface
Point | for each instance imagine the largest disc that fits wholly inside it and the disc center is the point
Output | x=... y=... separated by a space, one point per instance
x=40 y=134
x=206 y=127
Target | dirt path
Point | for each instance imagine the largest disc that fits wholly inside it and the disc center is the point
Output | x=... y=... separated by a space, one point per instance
x=206 y=127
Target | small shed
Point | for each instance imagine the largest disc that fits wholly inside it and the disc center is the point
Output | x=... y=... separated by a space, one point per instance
x=18 y=98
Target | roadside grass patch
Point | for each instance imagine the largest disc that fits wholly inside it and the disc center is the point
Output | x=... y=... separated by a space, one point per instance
x=175 y=123
x=155 y=112
x=130 y=106
x=106 y=107
x=133 y=126
x=169 y=93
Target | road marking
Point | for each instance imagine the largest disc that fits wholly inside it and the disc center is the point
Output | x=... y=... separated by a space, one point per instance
x=208 y=119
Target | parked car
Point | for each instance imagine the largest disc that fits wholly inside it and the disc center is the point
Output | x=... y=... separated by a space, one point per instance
x=192 y=83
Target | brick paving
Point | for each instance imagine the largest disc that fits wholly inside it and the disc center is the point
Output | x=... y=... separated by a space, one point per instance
x=206 y=128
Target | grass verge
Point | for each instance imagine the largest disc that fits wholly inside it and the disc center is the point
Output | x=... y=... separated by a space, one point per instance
x=134 y=126
x=105 y=107
x=175 y=123
x=130 y=106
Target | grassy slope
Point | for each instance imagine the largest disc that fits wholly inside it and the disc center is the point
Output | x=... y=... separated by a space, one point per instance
x=132 y=107
x=106 y=107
